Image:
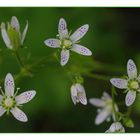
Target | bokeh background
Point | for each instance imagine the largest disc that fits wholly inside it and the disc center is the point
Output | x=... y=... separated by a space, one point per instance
x=113 y=37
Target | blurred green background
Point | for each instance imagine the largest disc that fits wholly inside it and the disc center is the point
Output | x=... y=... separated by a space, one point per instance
x=113 y=37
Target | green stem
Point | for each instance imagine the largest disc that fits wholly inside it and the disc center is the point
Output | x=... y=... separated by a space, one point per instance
x=98 y=76
x=19 y=60
x=113 y=104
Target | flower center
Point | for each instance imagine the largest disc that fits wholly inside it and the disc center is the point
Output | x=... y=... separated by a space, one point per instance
x=8 y=102
x=66 y=44
x=134 y=85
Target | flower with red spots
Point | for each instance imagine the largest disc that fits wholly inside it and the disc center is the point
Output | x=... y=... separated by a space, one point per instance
x=69 y=42
x=9 y=102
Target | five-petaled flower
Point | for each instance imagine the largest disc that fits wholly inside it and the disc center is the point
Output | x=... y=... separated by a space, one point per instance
x=9 y=102
x=69 y=42
x=116 y=127
x=12 y=36
x=131 y=84
x=106 y=108
x=78 y=94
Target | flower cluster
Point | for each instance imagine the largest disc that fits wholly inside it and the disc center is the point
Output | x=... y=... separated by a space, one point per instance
x=10 y=102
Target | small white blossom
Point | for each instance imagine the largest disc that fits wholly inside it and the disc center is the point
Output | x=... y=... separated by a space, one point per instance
x=106 y=108
x=78 y=94
x=116 y=127
x=69 y=42
x=9 y=102
x=131 y=83
x=12 y=35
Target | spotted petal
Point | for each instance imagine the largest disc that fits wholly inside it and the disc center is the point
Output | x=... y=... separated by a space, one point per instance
x=131 y=69
x=79 y=33
x=81 y=50
x=130 y=98
x=2 y=111
x=9 y=85
x=53 y=43
x=102 y=116
x=119 y=83
x=62 y=28
x=19 y=115
x=24 y=33
x=15 y=23
x=116 y=127
x=64 y=57
x=25 y=97
x=82 y=99
x=97 y=102
x=5 y=36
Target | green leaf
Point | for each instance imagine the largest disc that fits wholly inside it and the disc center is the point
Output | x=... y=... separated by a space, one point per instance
x=128 y=122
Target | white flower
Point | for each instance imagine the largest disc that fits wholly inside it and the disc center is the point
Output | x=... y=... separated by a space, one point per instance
x=131 y=84
x=106 y=108
x=116 y=127
x=12 y=36
x=69 y=42
x=78 y=94
x=9 y=102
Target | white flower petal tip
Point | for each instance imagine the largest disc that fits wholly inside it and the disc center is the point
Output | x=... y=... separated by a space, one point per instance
x=131 y=69
x=15 y=23
x=5 y=36
x=116 y=127
x=64 y=57
x=9 y=85
x=53 y=43
x=24 y=33
x=25 y=97
x=119 y=83
x=79 y=33
x=130 y=98
x=62 y=24
x=81 y=50
x=19 y=115
x=102 y=116
x=97 y=102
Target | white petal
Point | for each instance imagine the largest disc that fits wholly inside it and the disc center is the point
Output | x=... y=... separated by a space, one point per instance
x=102 y=116
x=119 y=83
x=131 y=69
x=19 y=115
x=83 y=99
x=73 y=90
x=73 y=99
x=9 y=85
x=116 y=127
x=53 y=43
x=97 y=102
x=138 y=78
x=64 y=57
x=15 y=23
x=106 y=96
x=5 y=36
x=79 y=33
x=81 y=50
x=24 y=33
x=25 y=97
x=130 y=98
x=2 y=111
x=62 y=28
